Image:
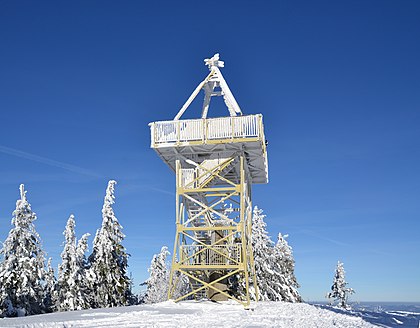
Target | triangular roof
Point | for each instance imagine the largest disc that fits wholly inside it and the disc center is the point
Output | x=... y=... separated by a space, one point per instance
x=213 y=85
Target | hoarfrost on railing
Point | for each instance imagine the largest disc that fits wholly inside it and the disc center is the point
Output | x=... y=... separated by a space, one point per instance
x=203 y=255
x=187 y=176
x=234 y=127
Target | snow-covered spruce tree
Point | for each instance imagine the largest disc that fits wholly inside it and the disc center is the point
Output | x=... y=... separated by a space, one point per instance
x=274 y=265
x=158 y=281
x=83 y=276
x=50 y=287
x=262 y=247
x=72 y=293
x=285 y=263
x=109 y=259
x=22 y=272
x=65 y=283
x=339 y=290
x=134 y=298
x=182 y=285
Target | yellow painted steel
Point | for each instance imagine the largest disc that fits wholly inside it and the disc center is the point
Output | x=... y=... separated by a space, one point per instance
x=215 y=254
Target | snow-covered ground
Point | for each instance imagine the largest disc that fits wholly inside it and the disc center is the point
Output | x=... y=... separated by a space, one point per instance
x=194 y=314
x=386 y=315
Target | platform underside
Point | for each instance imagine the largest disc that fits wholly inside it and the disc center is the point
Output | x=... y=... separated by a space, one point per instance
x=253 y=150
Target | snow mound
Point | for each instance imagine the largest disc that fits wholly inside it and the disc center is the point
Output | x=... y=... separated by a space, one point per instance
x=194 y=314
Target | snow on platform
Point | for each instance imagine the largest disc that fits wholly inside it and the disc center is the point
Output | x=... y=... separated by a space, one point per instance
x=193 y=314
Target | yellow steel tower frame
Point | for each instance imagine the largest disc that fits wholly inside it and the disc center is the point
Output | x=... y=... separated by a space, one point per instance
x=229 y=252
x=216 y=161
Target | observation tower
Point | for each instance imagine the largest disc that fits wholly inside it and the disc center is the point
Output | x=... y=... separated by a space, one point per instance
x=216 y=161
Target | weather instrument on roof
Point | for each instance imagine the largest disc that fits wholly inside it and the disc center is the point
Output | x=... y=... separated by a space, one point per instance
x=216 y=161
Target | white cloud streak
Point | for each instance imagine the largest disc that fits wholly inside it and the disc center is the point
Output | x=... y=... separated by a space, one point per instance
x=319 y=236
x=48 y=161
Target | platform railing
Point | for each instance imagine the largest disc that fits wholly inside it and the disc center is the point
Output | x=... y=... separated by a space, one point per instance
x=187 y=178
x=192 y=255
x=206 y=130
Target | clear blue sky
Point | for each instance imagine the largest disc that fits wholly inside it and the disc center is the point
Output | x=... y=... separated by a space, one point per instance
x=337 y=82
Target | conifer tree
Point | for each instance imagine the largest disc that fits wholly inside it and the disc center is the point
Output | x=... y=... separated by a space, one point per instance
x=65 y=283
x=262 y=246
x=182 y=285
x=22 y=272
x=283 y=259
x=134 y=298
x=72 y=291
x=274 y=264
x=158 y=281
x=50 y=288
x=109 y=259
x=339 y=290
x=82 y=247
x=83 y=276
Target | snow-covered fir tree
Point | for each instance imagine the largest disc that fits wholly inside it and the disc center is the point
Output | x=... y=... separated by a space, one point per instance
x=283 y=259
x=182 y=285
x=72 y=293
x=109 y=259
x=158 y=281
x=22 y=272
x=134 y=298
x=83 y=276
x=339 y=290
x=262 y=247
x=82 y=247
x=274 y=264
x=65 y=282
x=50 y=287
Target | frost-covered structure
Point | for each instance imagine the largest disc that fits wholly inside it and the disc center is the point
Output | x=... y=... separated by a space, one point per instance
x=274 y=264
x=108 y=260
x=22 y=272
x=216 y=161
x=339 y=290
x=73 y=291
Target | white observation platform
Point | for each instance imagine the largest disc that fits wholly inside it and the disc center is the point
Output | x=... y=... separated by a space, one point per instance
x=206 y=136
